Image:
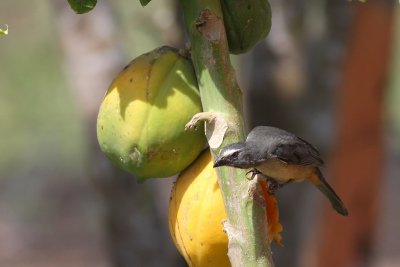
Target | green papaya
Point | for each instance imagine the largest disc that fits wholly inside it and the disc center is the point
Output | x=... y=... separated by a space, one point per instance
x=247 y=22
x=141 y=121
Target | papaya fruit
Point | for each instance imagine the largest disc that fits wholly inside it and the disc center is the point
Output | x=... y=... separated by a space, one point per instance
x=196 y=212
x=247 y=22
x=272 y=211
x=195 y=215
x=141 y=120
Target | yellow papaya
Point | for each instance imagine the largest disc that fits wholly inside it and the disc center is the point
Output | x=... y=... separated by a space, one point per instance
x=140 y=125
x=247 y=22
x=196 y=212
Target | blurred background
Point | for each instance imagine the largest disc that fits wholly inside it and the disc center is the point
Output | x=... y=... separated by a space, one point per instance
x=327 y=72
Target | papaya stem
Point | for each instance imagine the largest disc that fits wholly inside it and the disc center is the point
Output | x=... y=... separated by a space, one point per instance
x=246 y=224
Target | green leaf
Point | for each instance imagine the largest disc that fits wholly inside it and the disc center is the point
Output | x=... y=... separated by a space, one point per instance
x=144 y=2
x=4 y=32
x=82 y=6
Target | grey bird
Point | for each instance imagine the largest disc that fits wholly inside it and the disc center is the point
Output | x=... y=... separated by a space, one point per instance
x=282 y=157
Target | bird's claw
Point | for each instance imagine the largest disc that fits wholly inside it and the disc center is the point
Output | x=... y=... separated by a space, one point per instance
x=273 y=185
x=253 y=173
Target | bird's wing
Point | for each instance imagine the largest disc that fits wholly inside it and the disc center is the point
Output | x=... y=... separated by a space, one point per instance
x=297 y=151
x=270 y=142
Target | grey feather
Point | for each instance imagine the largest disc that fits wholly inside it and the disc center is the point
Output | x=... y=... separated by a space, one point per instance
x=270 y=142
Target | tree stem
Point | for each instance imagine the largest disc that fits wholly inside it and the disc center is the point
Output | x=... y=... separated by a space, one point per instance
x=246 y=224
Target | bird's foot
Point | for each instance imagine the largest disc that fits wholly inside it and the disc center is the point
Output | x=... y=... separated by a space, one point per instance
x=253 y=173
x=273 y=185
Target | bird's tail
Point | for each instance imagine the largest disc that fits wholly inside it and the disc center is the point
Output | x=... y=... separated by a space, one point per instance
x=328 y=191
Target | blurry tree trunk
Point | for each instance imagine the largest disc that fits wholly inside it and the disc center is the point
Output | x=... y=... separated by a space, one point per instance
x=388 y=236
x=136 y=234
x=357 y=162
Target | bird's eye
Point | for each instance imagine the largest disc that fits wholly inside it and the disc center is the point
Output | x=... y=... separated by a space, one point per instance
x=235 y=154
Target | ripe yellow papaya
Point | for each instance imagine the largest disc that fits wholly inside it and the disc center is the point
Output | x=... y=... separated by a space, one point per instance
x=140 y=125
x=247 y=22
x=196 y=213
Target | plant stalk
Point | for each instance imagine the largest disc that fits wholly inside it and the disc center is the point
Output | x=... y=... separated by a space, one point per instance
x=246 y=224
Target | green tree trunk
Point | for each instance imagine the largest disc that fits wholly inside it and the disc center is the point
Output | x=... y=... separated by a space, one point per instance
x=220 y=94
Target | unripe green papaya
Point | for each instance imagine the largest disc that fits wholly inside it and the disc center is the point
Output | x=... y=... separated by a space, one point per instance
x=141 y=121
x=246 y=23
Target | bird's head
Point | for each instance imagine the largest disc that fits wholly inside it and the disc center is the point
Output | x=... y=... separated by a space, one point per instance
x=234 y=155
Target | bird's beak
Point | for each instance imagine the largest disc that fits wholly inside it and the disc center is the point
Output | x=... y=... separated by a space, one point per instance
x=219 y=162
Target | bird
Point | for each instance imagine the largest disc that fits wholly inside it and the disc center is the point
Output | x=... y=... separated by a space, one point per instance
x=281 y=157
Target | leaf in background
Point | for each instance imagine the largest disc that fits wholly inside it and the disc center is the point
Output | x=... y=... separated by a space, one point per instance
x=82 y=6
x=144 y=2
x=4 y=32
